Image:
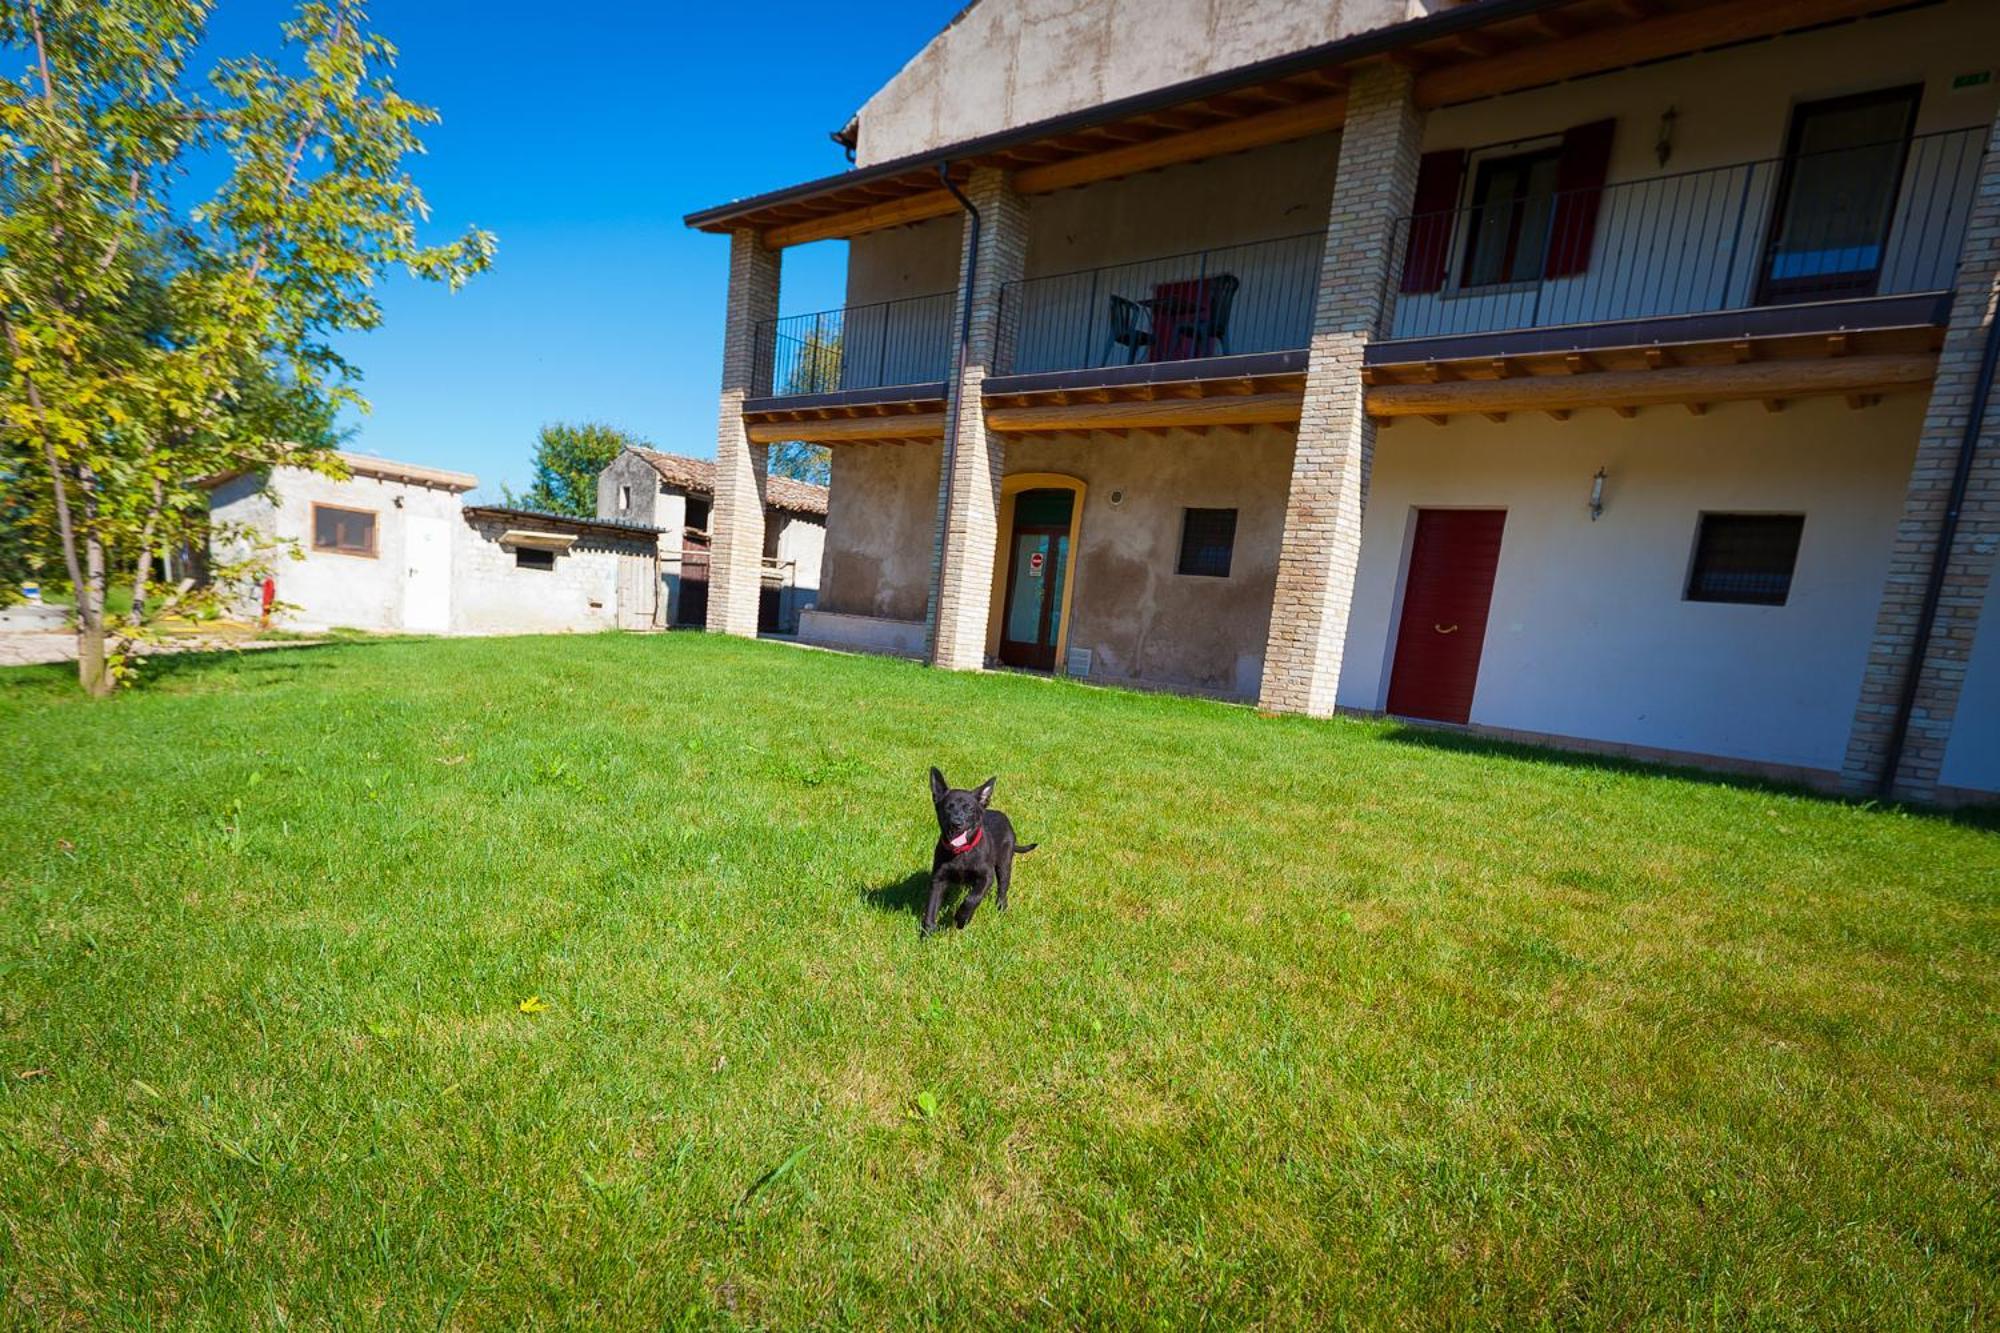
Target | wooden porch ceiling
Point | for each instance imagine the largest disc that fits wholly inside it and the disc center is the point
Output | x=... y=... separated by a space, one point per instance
x=1279 y=101
x=1861 y=365
x=854 y=423
x=1237 y=403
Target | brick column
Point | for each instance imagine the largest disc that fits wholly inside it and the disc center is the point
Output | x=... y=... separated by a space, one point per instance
x=736 y=520
x=1970 y=567
x=969 y=480
x=1359 y=272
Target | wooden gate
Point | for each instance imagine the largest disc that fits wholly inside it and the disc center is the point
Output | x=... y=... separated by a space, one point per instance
x=691 y=607
x=638 y=589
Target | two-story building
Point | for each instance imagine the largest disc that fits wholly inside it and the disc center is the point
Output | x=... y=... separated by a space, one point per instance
x=1607 y=373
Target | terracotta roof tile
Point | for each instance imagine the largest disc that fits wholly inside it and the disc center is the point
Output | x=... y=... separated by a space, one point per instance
x=698 y=474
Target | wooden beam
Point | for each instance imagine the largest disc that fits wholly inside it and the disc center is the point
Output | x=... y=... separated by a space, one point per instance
x=1697 y=409
x=1558 y=413
x=1774 y=405
x=1671 y=384
x=1160 y=414
x=1630 y=44
x=1233 y=136
x=1836 y=344
x=918 y=426
x=1625 y=410
x=872 y=217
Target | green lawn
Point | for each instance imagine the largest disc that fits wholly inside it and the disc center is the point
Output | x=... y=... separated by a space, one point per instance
x=1291 y=1023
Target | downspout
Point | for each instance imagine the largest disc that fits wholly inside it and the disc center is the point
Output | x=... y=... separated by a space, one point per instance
x=953 y=390
x=1968 y=446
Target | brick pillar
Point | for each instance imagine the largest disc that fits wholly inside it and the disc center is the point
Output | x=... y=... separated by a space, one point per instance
x=969 y=481
x=1971 y=563
x=1359 y=271
x=736 y=520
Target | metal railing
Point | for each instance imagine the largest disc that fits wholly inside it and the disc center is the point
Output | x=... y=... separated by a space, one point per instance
x=856 y=347
x=1256 y=297
x=1879 y=220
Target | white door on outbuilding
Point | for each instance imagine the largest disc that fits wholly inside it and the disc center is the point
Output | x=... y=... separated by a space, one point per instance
x=427 y=580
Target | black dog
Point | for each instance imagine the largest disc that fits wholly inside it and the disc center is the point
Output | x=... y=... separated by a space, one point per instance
x=975 y=847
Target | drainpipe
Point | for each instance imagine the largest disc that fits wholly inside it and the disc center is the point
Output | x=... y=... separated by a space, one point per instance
x=1968 y=445
x=957 y=372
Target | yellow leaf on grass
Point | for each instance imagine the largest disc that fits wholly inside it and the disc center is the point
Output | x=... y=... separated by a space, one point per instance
x=533 y=1005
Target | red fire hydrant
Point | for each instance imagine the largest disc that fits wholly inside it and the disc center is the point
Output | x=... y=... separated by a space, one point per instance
x=269 y=595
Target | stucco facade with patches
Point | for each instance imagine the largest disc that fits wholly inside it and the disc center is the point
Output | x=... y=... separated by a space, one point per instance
x=1561 y=391
x=394 y=548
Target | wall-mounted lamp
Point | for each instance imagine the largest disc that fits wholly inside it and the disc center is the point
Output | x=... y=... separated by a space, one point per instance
x=1663 y=147
x=1597 y=495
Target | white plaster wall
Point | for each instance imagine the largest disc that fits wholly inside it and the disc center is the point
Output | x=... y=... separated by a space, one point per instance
x=330 y=589
x=1972 y=759
x=1007 y=63
x=1691 y=242
x=1589 y=635
x=495 y=596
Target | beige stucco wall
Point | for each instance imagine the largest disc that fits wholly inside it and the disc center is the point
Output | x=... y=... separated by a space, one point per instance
x=1007 y=63
x=881 y=520
x=1142 y=621
x=1589 y=635
x=494 y=595
x=330 y=589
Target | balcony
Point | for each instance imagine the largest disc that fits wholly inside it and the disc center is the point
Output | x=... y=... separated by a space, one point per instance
x=865 y=372
x=1840 y=254
x=1210 y=338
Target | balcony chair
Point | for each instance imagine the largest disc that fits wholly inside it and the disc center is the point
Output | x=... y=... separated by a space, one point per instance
x=1131 y=329
x=1210 y=322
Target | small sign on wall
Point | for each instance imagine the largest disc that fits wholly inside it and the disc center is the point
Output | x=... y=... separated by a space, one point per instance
x=1035 y=565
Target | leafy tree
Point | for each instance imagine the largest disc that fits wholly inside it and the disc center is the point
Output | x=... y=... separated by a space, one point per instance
x=567 y=460
x=816 y=369
x=802 y=462
x=147 y=344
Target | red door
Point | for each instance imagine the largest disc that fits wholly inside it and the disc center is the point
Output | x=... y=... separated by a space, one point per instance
x=1445 y=600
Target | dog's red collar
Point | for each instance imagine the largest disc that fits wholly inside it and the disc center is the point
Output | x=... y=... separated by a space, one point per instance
x=978 y=835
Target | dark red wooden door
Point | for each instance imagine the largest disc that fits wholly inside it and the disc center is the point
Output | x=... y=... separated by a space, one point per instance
x=1445 y=600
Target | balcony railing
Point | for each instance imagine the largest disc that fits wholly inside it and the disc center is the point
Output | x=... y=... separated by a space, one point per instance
x=1241 y=298
x=857 y=347
x=1878 y=220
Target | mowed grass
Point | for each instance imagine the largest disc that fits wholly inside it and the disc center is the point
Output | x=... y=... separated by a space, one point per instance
x=1292 y=1023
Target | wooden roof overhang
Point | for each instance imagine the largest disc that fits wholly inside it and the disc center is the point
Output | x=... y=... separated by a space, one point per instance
x=1861 y=365
x=1236 y=393
x=909 y=412
x=1478 y=49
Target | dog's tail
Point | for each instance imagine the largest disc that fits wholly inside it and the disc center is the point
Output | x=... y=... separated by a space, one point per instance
x=1024 y=848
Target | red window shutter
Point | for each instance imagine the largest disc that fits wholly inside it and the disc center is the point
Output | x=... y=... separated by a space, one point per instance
x=1580 y=171
x=1428 y=249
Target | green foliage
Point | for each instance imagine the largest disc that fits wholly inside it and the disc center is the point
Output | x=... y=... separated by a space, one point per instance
x=802 y=462
x=816 y=370
x=1365 y=1027
x=149 y=344
x=568 y=458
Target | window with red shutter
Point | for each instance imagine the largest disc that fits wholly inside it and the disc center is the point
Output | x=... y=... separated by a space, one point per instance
x=1427 y=251
x=1580 y=171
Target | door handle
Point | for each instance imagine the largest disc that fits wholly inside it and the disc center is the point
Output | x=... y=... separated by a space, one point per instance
x=1445 y=629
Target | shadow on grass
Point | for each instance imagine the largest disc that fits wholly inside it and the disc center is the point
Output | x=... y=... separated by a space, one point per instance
x=1985 y=818
x=909 y=894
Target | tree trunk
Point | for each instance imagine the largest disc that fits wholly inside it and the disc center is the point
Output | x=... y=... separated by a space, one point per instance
x=93 y=671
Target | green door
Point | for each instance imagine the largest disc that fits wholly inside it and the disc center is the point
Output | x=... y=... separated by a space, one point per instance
x=1037 y=556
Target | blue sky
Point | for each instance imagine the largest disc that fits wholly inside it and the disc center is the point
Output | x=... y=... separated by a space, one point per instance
x=580 y=135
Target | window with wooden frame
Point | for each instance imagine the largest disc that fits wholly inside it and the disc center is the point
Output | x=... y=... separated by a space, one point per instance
x=1745 y=558
x=344 y=531
x=1513 y=199
x=1208 y=539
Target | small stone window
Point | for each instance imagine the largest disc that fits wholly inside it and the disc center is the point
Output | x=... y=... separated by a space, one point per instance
x=1208 y=538
x=528 y=557
x=344 y=531
x=624 y=498
x=1746 y=558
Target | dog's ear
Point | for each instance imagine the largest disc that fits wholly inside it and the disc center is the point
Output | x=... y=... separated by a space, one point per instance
x=939 y=787
x=985 y=792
